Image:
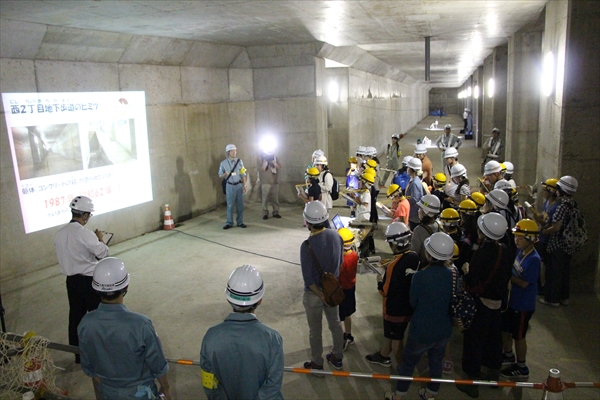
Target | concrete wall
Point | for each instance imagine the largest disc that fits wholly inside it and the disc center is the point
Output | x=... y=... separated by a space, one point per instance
x=523 y=100
x=570 y=118
x=200 y=96
x=446 y=98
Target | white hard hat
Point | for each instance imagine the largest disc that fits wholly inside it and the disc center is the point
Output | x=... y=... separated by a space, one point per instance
x=499 y=198
x=415 y=164
x=406 y=159
x=110 y=275
x=510 y=168
x=371 y=151
x=230 y=147
x=430 y=204
x=496 y=130
x=361 y=150
x=317 y=153
x=440 y=246
x=493 y=225
x=421 y=149
x=321 y=160
x=568 y=184
x=491 y=168
x=448 y=126
x=451 y=152
x=245 y=286
x=458 y=170
x=466 y=109
x=398 y=233
x=503 y=184
x=395 y=136
x=82 y=204
x=315 y=212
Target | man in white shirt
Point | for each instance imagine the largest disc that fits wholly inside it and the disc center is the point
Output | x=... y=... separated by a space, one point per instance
x=78 y=251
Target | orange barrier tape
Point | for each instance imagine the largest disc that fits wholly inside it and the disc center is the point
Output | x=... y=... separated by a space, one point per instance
x=422 y=379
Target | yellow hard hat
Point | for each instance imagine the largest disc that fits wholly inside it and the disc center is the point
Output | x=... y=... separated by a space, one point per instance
x=371 y=171
x=368 y=177
x=467 y=206
x=352 y=160
x=503 y=167
x=312 y=172
x=372 y=163
x=440 y=178
x=393 y=189
x=347 y=235
x=477 y=198
x=449 y=216
x=551 y=183
x=456 y=253
x=527 y=228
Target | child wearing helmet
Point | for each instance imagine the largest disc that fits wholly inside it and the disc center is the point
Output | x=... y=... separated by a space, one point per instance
x=313 y=191
x=431 y=325
x=459 y=186
x=394 y=286
x=401 y=176
x=521 y=304
x=400 y=210
x=363 y=196
x=486 y=278
x=428 y=210
x=348 y=282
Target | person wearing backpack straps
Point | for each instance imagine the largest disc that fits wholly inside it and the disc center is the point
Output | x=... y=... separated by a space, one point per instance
x=328 y=248
x=486 y=279
x=429 y=209
x=558 y=270
x=394 y=287
x=325 y=181
x=431 y=324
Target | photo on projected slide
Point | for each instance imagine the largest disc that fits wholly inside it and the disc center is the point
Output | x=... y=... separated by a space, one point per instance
x=45 y=150
x=110 y=143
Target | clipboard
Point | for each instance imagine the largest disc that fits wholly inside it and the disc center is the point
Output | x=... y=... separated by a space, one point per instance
x=107 y=237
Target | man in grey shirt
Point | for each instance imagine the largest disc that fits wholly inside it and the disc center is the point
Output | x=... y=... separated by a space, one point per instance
x=328 y=248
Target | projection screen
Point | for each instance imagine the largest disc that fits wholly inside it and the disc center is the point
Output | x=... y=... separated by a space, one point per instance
x=68 y=144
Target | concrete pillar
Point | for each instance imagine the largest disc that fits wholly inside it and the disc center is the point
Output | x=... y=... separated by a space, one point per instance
x=523 y=100
x=581 y=119
x=569 y=119
x=495 y=67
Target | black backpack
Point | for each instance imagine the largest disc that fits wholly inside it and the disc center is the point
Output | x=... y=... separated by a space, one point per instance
x=335 y=188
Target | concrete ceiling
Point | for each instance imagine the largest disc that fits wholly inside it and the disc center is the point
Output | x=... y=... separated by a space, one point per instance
x=462 y=33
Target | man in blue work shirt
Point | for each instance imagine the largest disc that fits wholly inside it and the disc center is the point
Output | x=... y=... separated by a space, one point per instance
x=120 y=349
x=232 y=169
x=241 y=358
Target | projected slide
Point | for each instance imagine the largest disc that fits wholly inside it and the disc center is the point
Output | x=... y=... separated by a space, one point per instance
x=68 y=144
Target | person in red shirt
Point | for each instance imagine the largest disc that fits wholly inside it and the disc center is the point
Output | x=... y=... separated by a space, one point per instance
x=348 y=283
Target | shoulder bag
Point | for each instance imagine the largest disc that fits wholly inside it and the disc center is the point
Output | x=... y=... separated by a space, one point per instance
x=334 y=294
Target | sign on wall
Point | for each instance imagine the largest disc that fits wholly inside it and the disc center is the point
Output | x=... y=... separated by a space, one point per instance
x=69 y=144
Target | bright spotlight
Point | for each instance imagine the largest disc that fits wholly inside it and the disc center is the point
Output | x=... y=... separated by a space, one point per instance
x=476 y=91
x=469 y=91
x=491 y=87
x=334 y=92
x=268 y=144
x=548 y=74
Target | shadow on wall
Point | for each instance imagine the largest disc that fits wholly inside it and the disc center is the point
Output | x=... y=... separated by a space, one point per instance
x=185 y=192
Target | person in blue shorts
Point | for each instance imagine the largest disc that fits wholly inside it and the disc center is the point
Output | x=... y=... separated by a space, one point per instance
x=521 y=305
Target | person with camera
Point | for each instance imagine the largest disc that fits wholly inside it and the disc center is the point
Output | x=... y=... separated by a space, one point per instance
x=268 y=174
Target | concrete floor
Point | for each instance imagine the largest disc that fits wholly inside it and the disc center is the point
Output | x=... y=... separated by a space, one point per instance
x=178 y=278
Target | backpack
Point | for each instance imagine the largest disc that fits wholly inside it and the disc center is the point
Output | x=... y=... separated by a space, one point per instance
x=574 y=231
x=462 y=305
x=335 y=188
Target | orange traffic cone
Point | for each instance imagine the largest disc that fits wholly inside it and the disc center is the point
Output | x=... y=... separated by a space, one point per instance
x=169 y=224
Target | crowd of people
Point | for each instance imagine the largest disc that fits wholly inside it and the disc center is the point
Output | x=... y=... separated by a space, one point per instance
x=445 y=236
